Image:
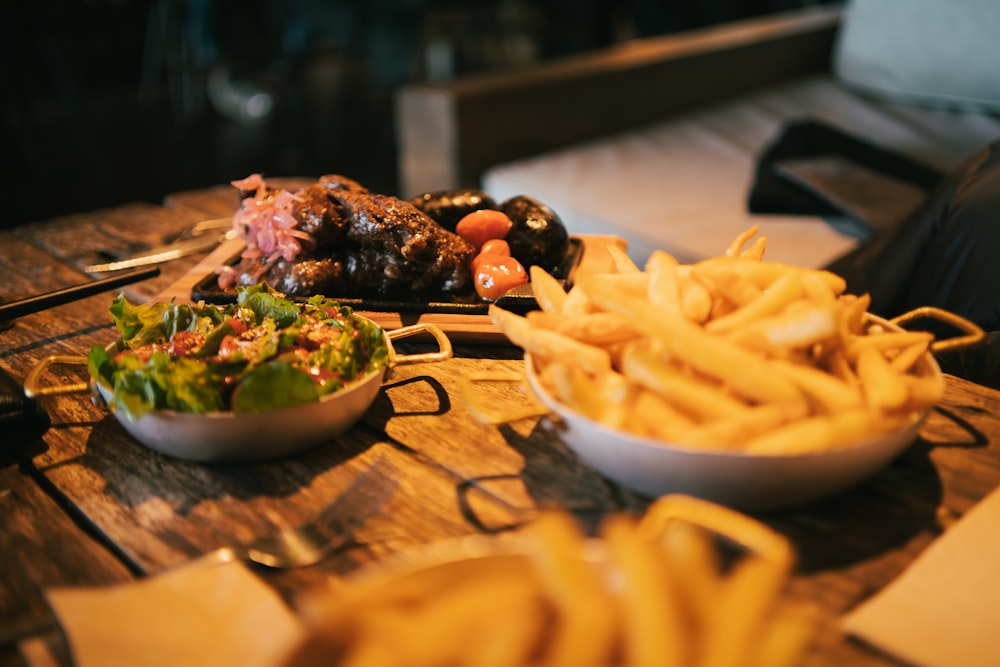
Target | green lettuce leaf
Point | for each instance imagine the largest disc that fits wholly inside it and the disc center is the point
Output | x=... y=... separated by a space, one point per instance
x=267 y=303
x=274 y=385
x=157 y=322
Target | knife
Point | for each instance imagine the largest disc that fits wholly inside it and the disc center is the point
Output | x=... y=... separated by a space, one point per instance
x=164 y=253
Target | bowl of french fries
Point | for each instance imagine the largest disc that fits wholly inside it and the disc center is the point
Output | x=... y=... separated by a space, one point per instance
x=751 y=383
x=687 y=583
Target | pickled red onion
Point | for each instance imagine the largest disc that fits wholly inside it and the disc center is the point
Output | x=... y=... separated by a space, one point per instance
x=266 y=221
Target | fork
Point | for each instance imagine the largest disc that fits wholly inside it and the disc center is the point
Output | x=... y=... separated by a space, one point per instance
x=318 y=538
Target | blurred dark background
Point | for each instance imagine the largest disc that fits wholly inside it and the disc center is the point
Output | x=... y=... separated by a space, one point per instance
x=108 y=101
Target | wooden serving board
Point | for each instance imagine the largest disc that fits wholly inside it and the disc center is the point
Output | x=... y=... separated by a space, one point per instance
x=460 y=327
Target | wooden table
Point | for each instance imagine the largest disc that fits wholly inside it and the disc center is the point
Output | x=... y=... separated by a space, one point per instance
x=86 y=505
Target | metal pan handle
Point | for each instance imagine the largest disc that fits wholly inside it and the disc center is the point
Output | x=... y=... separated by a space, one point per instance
x=973 y=334
x=444 y=345
x=33 y=386
x=739 y=528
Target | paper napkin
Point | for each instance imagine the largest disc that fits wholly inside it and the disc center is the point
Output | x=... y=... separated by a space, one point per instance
x=944 y=610
x=206 y=613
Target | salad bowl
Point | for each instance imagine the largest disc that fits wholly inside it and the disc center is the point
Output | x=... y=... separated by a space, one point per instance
x=233 y=435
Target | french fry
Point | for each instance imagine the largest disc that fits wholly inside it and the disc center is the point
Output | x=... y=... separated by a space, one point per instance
x=793 y=329
x=550 y=295
x=884 y=388
x=784 y=638
x=635 y=283
x=651 y=617
x=587 y=624
x=664 y=285
x=782 y=292
x=909 y=356
x=696 y=301
x=822 y=433
x=839 y=367
x=734 y=430
x=693 y=396
x=623 y=263
x=439 y=633
x=887 y=341
x=655 y=592
x=745 y=602
x=736 y=246
x=728 y=281
x=598 y=329
x=653 y=416
x=825 y=390
x=546 y=343
x=576 y=303
x=756 y=250
x=691 y=554
x=508 y=629
x=816 y=289
x=855 y=310
x=371 y=647
x=710 y=355
x=764 y=273
x=603 y=398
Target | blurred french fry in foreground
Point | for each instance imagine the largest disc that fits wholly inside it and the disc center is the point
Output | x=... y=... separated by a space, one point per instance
x=652 y=622
x=585 y=633
x=650 y=591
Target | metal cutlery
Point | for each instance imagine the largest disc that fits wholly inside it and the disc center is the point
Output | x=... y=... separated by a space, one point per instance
x=34 y=304
x=198 y=238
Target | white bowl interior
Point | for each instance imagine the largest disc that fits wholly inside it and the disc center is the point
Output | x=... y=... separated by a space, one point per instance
x=739 y=480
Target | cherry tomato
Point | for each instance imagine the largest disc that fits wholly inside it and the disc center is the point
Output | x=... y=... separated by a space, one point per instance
x=483 y=225
x=495 y=275
x=495 y=247
x=229 y=347
x=184 y=343
x=492 y=248
x=237 y=326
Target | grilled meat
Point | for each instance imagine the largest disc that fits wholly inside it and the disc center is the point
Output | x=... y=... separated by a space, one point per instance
x=335 y=236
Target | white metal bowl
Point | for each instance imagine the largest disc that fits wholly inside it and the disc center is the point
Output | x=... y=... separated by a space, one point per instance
x=748 y=482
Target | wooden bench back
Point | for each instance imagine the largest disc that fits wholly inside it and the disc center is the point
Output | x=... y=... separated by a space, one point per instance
x=449 y=134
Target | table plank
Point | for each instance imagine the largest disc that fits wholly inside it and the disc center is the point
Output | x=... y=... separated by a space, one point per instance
x=42 y=547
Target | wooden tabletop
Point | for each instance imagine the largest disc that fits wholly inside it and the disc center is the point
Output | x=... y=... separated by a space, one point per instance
x=85 y=504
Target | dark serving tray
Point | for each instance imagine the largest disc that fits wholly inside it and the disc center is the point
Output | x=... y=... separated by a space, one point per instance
x=519 y=299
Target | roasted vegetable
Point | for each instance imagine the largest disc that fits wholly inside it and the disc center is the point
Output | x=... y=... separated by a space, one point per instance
x=448 y=207
x=538 y=235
